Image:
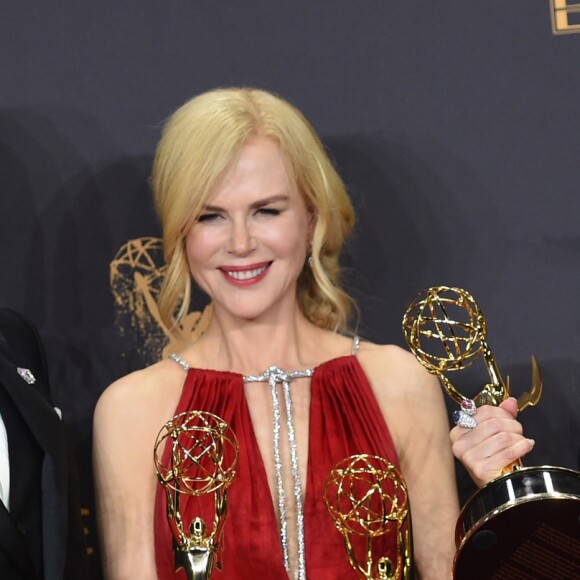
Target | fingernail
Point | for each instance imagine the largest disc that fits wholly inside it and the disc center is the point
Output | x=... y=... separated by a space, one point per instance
x=532 y=442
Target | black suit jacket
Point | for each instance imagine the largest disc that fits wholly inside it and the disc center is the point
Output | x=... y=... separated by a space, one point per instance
x=41 y=536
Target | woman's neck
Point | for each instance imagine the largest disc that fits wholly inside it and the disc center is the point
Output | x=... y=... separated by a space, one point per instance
x=249 y=347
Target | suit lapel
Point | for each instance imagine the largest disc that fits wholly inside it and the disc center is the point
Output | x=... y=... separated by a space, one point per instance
x=48 y=431
x=13 y=544
x=40 y=416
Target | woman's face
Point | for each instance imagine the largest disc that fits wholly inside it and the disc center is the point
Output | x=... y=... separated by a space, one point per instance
x=250 y=242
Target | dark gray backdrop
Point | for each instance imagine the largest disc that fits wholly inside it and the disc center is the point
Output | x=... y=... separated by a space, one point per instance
x=454 y=124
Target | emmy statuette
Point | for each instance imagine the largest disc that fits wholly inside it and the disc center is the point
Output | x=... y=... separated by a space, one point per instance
x=367 y=497
x=526 y=523
x=196 y=453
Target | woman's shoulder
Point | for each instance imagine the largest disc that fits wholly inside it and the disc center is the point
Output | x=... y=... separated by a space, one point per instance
x=142 y=393
x=388 y=365
x=142 y=383
x=389 y=356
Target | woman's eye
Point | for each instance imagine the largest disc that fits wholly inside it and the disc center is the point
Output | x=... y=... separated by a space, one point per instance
x=208 y=217
x=268 y=211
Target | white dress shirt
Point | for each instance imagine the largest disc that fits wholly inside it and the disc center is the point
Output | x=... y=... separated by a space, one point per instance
x=4 y=465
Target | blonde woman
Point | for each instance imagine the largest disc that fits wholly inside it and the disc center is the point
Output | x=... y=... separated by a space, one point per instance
x=255 y=214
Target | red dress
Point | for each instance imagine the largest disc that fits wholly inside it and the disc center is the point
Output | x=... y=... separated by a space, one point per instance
x=345 y=419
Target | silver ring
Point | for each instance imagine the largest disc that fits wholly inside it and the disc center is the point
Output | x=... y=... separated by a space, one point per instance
x=464 y=417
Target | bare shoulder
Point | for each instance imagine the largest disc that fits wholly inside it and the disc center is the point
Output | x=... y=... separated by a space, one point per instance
x=386 y=354
x=390 y=365
x=148 y=394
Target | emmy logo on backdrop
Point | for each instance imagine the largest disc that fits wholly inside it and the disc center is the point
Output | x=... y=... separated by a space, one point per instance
x=136 y=275
x=196 y=453
x=526 y=523
x=366 y=496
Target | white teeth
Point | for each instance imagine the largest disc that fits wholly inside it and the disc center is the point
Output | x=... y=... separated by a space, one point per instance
x=246 y=274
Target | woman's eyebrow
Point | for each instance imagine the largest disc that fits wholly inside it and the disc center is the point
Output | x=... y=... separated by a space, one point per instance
x=211 y=208
x=270 y=199
x=258 y=203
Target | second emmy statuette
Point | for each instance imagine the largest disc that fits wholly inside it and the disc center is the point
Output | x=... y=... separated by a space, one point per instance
x=525 y=523
x=196 y=453
x=367 y=498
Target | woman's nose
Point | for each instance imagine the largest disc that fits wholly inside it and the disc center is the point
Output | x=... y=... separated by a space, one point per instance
x=242 y=241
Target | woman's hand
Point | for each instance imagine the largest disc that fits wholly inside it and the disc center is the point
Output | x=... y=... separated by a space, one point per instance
x=493 y=444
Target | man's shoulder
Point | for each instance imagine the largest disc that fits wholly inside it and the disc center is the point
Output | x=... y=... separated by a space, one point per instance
x=21 y=345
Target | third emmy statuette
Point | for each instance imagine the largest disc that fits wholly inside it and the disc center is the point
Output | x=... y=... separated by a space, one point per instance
x=526 y=523
x=196 y=453
x=367 y=498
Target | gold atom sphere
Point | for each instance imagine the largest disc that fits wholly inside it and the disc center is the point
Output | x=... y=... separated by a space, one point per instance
x=196 y=452
x=444 y=328
x=365 y=495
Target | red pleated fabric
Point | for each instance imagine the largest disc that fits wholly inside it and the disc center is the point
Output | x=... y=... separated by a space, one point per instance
x=345 y=419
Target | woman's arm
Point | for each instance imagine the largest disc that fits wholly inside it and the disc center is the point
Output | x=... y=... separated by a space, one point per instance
x=412 y=403
x=127 y=419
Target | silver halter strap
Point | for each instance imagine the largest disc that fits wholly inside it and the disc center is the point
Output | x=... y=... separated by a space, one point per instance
x=275 y=376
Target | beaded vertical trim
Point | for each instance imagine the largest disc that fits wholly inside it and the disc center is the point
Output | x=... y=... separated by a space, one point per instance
x=296 y=476
x=278 y=466
x=275 y=376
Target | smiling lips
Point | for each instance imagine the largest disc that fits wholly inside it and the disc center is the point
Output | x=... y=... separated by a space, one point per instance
x=245 y=275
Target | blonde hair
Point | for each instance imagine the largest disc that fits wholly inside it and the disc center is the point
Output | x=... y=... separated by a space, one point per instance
x=199 y=143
